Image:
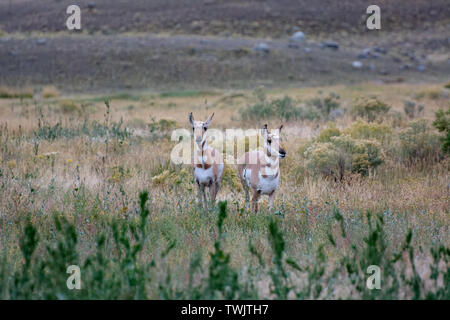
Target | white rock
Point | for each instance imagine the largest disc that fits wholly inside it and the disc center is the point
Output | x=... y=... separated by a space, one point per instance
x=357 y=64
x=262 y=47
x=298 y=37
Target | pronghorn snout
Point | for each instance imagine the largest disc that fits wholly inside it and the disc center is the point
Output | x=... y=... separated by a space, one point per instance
x=282 y=153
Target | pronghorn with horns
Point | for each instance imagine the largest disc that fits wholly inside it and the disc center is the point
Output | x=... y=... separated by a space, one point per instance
x=259 y=170
x=208 y=162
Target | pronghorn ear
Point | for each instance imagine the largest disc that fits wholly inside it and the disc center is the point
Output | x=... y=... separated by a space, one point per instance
x=264 y=131
x=191 y=119
x=208 y=122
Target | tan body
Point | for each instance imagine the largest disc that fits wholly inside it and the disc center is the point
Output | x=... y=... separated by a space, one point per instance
x=209 y=172
x=208 y=162
x=262 y=176
x=259 y=171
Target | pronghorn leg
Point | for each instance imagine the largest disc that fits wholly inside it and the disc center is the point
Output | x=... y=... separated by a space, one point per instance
x=247 y=197
x=242 y=173
x=215 y=187
x=245 y=186
x=271 y=198
x=199 y=192
x=205 y=201
x=212 y=192
x=256 y=195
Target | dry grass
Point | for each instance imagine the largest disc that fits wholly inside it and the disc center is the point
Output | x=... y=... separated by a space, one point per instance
x=90 y=176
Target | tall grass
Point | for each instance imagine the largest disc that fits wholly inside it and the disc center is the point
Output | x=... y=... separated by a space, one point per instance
x=117 y=269
x=68 y=182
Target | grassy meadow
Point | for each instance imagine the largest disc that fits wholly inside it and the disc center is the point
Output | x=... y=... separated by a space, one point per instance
x=365 y=182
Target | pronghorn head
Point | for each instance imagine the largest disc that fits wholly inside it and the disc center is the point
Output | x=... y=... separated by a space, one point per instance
x=199 y=128
x=272 y=142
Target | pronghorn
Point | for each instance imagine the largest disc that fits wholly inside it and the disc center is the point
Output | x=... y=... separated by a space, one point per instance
x=208 y=162
x=259 y=170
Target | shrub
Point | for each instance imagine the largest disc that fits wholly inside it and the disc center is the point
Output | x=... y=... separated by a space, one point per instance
x=417 y=142
x=310 y=113
x=355 y=152
x=285 y=109
x=173 y=177
x=11 y=93
x=411 y=109
x=326 y=134
x=368 y=130
x=432 y=94
x=343 y=154
x=370 y=109
x=50 y=92
x=163 y=126
x=325 y=105
x=69 y=106
x=257 y=112
x=282 y=109
x=323 y=158
x=442 y=123
x=230 y=178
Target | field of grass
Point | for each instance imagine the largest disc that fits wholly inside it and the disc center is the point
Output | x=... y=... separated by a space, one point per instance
x=89 y=183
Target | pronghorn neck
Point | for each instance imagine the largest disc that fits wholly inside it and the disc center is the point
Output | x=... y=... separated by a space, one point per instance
x=201 y=151
x=269 y=157
x=272 y=164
